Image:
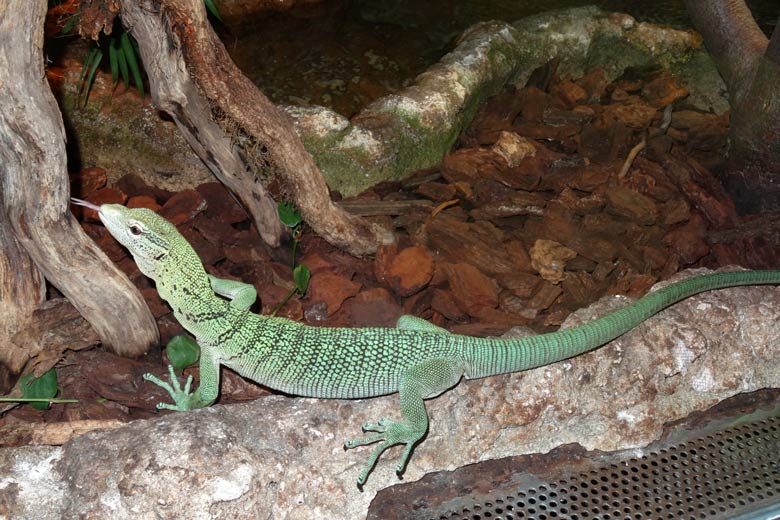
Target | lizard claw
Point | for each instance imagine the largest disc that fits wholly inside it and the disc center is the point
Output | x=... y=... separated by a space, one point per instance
x=379 y=426
x=389 y=433
x=181 y=397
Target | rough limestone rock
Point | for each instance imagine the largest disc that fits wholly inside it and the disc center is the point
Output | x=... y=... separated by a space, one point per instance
x=282 y=457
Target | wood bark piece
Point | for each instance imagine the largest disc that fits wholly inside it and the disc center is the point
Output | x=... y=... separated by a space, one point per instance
x=216 y=107
x=54 y=327
x=58 y=327
x=50 y=434
x=35 y=190
x=374 y=208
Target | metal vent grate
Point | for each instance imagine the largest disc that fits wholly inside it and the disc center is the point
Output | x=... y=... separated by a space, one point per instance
x=728 y=474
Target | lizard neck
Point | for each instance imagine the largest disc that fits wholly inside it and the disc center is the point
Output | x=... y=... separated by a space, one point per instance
x=186 y=288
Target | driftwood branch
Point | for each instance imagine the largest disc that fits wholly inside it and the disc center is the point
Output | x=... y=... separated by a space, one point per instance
x=750 y=66
x=35 y=190
x=733 y=37
x=242 y=137
x=174 y=91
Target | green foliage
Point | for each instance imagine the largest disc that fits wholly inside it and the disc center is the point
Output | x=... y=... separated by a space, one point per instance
x=301 y=277
x=291 y=218
x=289 y=215
x=69 y=25
x=39 y=392
x=122 y=58
x=182 y=351
x=87 y=77
x=128 y=49
x=44 y=387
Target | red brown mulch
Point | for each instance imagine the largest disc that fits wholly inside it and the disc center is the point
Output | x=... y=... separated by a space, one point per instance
x=526 y=221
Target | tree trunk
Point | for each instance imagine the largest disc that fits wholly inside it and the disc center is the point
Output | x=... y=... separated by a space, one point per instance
x=219 y=110
x=732 y=37
x=750 y=67
x=35 y=194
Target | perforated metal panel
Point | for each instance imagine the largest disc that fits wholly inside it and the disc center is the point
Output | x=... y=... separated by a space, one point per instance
x=729 y=474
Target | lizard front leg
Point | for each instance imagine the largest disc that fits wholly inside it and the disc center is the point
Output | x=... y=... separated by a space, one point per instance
x=206 y=393
x=241 y=295
x=427 y=379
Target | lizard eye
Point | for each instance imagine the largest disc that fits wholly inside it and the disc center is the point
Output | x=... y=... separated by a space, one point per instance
x=135 y=230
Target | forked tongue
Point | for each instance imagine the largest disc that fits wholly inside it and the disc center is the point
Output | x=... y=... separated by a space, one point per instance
x=86 y=204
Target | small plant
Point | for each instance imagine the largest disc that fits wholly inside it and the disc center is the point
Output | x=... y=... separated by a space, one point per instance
x=122 y=58
x=39 y=391
x=291 y=218
x=182 y=351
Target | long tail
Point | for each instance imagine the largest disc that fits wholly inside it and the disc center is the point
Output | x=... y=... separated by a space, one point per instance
x=491 y=356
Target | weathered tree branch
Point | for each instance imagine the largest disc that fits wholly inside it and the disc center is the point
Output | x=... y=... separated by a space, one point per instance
x=219 y=110
x=50 y=434
x=35 y=190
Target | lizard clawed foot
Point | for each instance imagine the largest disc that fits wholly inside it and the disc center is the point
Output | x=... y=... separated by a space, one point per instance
x=181 y=397
x=389 y=433
x=379 y=427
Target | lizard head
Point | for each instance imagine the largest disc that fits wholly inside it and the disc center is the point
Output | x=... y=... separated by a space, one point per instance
x=149 y=237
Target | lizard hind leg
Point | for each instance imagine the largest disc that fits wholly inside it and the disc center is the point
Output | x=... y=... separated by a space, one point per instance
x=426 y=379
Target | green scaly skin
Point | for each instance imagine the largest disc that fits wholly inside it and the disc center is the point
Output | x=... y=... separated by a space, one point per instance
x=417 y=359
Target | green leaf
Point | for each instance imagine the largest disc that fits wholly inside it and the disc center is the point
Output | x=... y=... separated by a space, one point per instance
x=96 y=56
x=44 y=387
x=85 y=68
x=182 y=351
x=301 y=277
x=213 y=9
x=132 y=63
x=288 y=214
x=113 y=60
x=120 y=56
